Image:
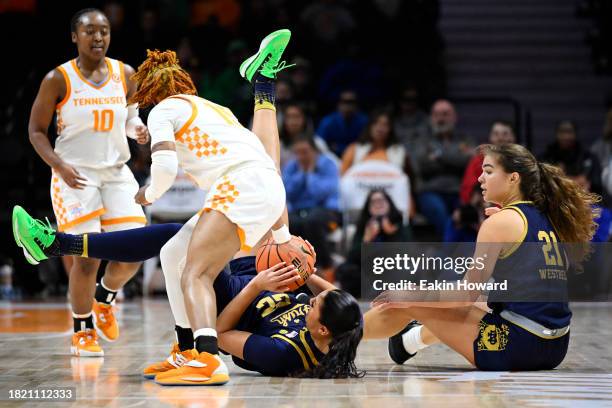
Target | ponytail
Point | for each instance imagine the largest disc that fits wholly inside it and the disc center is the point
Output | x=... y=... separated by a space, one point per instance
x=568 y=206
x=340 y=313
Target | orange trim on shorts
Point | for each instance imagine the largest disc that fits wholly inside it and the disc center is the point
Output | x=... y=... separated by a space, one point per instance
x=68 y=88
x=123 y=220
x=81 y=220
x=242 y=236
x=87 y=81
x=122 y=73
x=194 y=113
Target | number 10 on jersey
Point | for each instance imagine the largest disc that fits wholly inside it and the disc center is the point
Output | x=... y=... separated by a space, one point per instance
x=103 y=120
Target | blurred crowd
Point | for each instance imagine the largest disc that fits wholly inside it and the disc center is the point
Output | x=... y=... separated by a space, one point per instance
x=368 y=87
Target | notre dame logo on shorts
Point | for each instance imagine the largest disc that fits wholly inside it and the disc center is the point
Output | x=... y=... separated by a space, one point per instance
x=492 y=337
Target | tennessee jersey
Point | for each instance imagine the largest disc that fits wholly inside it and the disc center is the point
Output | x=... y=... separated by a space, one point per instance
x=534 y=274
x=91 y=118
x=209 y=139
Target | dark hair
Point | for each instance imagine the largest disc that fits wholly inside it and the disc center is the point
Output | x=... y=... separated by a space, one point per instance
x=395 y=216
x=74 y=21
x=366 y=135
x=505 y=123
x=306 y=139
x=568 y=206
x=308 y=128
x=565 y=124
x=341 y=315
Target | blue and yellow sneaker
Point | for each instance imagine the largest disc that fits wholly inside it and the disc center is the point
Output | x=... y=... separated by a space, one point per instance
x=267 y=60
x=35 y=237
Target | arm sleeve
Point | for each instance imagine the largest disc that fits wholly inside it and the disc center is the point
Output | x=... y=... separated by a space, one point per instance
x=164 y=166
x=271 y=356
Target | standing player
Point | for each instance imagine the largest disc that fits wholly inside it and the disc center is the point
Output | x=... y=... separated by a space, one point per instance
x=538 y=205
x=92 y=189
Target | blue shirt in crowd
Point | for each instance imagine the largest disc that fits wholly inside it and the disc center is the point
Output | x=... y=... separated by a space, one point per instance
x=306 y=190
x=338 y=132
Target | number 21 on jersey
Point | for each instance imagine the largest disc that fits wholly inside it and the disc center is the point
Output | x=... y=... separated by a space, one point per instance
x=551 y=258
x=103 y=120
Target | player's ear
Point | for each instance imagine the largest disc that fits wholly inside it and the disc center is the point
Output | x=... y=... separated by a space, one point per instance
x=324 y=331
x=515 y=177
x=73 y=36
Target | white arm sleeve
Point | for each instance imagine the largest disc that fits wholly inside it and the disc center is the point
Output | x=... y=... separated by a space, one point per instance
x=164 y=166
x=133 y=120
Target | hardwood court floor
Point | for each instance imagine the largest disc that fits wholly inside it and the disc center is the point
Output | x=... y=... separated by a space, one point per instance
x=34 y=345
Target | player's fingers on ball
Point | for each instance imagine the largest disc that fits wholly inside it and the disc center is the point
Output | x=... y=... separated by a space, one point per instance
x=277 y=266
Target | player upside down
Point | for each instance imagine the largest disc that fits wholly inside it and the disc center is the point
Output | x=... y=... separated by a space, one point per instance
x=245 y=199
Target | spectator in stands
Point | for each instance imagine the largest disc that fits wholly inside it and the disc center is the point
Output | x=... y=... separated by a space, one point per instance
x=410 y=122
x=501 y=132
x=329 y=24
x=465 y=222
x=604 y=221
x=380 y=221
x=377 y=142
x=343 y=127
x=312 y=184
x=296 y=124
x=440 y=161
x=602 y=149
x=567 y=152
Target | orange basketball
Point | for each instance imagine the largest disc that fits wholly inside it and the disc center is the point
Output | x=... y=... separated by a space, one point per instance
x=296 y=252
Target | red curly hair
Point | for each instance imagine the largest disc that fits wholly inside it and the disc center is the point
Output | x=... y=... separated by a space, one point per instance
x=159 y=77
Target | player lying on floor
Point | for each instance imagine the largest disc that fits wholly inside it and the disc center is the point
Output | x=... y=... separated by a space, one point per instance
x=264 y=328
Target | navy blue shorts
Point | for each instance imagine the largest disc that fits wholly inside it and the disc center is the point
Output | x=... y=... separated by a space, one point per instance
x=503 y=346
x=227 y=286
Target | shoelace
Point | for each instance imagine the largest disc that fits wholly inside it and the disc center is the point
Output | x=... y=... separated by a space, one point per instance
x=106 y=316
x=43 y=233
x=87 y=337
x=271 y=69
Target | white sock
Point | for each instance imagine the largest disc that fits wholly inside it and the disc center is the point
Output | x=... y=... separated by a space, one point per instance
x=412 y=340
x=204 y=332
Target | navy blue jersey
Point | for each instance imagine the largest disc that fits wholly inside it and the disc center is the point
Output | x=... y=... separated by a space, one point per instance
x=534 y=272
x=280 y=343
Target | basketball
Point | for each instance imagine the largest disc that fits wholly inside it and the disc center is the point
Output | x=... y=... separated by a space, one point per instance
x=296 y=251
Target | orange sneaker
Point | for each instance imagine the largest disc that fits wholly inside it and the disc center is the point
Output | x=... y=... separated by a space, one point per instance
x=85 y=344
x=105 y=321
x=204 y=369
x=176 y=359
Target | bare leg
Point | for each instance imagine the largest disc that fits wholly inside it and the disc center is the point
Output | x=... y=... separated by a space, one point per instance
x=382 y=324
x=457 y=328
x=213 y=244
x=118 y=274
x=82 y=284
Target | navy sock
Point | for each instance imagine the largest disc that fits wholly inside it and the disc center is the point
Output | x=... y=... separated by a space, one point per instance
x=184 y=338
x=206 y=344
x=133 y=245
x=264 y=89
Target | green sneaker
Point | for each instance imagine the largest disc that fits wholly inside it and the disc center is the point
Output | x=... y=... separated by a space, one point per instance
x=32 y=235
x=266 y=61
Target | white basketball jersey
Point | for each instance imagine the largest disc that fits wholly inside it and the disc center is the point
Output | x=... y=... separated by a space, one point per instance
x=209 y=139
x=91 y=118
